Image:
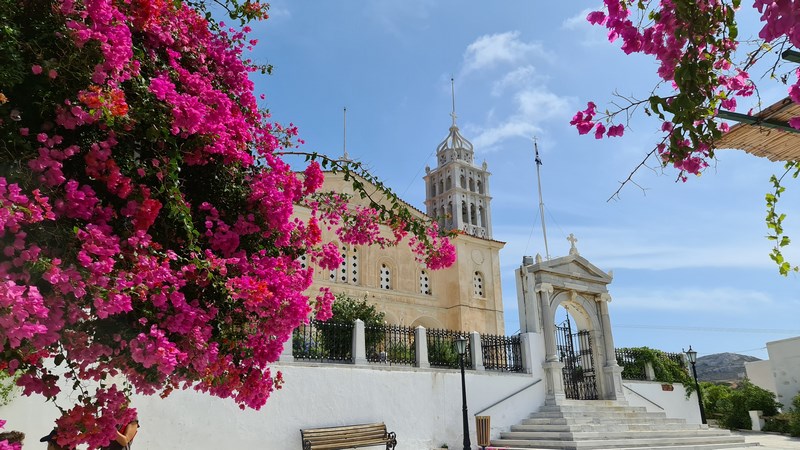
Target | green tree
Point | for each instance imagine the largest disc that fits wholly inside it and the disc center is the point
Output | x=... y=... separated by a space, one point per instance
x=712 y=394
x=337 y=332
x=746 y=397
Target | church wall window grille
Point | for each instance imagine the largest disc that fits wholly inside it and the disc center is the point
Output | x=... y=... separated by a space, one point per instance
x=386 y=277
x=348 y=270
x=424 y=283
x=477 y=284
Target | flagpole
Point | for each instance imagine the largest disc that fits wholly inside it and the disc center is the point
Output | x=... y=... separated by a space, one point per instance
x=541 y=202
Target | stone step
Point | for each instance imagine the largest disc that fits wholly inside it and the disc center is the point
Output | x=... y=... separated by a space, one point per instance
x=722 y=446
x=610 y=414
x=603 y=435
x=642 y=426
x=654 y=421
x=671 y=442
x=599 y=408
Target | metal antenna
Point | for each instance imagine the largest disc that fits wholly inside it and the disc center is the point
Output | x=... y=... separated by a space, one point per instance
x=453 y=94
x=541 y=202
x=344 y=144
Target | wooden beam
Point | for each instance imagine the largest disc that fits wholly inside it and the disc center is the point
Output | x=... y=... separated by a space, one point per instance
x=791 y=55
x=752 y=120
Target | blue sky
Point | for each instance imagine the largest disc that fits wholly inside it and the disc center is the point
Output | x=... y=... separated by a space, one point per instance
x=690 y=260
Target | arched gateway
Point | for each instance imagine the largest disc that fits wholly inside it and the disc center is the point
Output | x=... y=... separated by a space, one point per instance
x=578 y=363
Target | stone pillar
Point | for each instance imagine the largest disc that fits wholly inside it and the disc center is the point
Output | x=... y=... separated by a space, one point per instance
x=526 y=348
x=527 y=305
x=359 y=343
x=545 y=290
x=421 y=347
x=476 y=350
x=611 y=370
x=286 y=354
x=553 y=368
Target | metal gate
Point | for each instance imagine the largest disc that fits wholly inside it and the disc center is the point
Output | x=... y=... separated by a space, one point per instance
x=575 y=351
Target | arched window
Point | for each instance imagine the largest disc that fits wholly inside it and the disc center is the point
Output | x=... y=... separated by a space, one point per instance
x=463 y=182
x=477 y=284
x=480 y=187
x=424 y=283
x=472 y=185
x=433 y=188
x=482 y=214
x=441 y=186
x=449 y=183
x=386 y=277
x=473 y=216
x=464 y=212
x=348 y=271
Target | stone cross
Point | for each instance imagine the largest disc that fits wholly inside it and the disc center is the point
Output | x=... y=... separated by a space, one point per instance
x=572 y=240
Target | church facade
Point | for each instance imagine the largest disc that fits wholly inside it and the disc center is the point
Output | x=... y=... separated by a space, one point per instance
x=466 y=296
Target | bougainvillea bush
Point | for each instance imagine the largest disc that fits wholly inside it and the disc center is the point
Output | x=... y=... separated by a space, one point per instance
x=146 y=212
x=704 y=66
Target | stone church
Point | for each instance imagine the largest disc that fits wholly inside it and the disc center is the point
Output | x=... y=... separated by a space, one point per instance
x=465 y=296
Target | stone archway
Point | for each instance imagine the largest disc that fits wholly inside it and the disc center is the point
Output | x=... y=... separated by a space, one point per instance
x=581 y=287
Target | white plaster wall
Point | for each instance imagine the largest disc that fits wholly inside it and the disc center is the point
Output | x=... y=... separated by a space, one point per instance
x=423 y=406
x=760 y=374
x=784 y=355
x=673 y=403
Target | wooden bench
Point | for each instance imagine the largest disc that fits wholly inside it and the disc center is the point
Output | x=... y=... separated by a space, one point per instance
x=352 y=436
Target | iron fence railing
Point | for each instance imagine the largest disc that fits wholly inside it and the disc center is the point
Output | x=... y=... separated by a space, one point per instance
x=633 y=361
x=442 y=351
x=390 y=344
x=632 y=367
x=501 y=353
x=323 y=341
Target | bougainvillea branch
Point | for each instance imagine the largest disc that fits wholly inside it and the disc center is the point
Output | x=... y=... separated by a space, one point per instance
x=694 y=43
x=146 y=213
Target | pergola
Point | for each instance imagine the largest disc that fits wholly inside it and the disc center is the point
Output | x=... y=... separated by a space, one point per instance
x=768 y=133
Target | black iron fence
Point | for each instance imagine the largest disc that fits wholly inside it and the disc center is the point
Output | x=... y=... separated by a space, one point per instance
x=442 y=351
x=323 y=341
x=390 y=344
x=501 y=353
x=634 y=360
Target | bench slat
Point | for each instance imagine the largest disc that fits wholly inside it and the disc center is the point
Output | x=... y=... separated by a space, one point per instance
x=348 y=437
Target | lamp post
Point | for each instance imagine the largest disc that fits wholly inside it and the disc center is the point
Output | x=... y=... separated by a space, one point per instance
x=461 y=348
x=692 y=356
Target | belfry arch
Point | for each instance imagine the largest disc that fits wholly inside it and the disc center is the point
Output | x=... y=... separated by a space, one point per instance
x=578 y=363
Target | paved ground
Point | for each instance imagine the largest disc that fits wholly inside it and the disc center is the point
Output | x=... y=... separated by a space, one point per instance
x=771 y=441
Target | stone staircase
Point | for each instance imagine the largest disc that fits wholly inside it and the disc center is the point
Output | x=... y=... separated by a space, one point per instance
x=601 y=424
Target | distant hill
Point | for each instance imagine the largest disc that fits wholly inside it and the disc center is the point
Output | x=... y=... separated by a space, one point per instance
x=722 y=366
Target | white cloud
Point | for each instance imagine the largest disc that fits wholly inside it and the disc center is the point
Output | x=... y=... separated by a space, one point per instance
x=490 y=50
x=520 y=76
x=578 y=20
x=533 y=106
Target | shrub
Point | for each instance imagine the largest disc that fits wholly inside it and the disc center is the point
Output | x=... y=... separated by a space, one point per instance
x=745 y=397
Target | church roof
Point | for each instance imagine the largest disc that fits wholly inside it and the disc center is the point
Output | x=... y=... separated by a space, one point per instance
x=454 y=141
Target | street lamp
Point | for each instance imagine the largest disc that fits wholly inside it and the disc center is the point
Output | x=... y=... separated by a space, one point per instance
x=692 y=356
x=461 y=347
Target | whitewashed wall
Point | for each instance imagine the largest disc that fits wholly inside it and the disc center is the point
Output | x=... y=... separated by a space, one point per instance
x=760 y=374
x=423 y=406
x=675 y=403
x=784 y=355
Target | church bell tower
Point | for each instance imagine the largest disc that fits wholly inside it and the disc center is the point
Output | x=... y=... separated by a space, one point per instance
x=457 y=190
